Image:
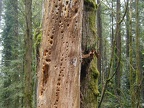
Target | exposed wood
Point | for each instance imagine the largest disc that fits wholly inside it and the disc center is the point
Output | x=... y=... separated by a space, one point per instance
x=60 y=55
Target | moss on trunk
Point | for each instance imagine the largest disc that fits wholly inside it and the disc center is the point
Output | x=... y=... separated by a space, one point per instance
x=89 y=72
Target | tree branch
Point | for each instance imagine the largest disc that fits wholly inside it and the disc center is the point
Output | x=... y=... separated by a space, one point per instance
x=124 y=13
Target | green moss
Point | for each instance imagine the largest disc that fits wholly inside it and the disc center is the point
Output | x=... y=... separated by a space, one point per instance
x=92 y=22
x=37 y=38
x=91 y=94
x=93 y=65
x=91 y=99
x=90 y=4
x=92 y=25
x=94 y=76
x=92 y=17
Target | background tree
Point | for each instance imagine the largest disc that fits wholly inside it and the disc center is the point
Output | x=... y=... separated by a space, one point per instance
x=28 y=55
x=138 y=70
x=118 y=50
x=0 y=11
x=13 y=25
x=130 y=52
x=11 y=92
x=99 y=33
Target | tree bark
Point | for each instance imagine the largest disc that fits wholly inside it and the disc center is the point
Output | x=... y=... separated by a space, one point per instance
x=60 y=55
x=89 y=72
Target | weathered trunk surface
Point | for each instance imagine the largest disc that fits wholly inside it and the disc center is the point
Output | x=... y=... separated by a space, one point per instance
x=89 y=72
x=60 y=55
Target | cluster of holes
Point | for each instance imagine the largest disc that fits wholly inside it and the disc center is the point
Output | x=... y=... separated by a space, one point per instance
x=76 y=24
x=61 y=25
x=45 y=69
x=56 y=11
x=67 y=47
x=51 y=37
x=46 y=55
x=65 y=10
x=57 y=93
x=61 y=66
x=61 y=75
x=58 y=87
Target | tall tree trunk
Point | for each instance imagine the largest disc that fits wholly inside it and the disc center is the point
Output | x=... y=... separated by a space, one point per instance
x=138 y=73
x=131 y=77
x=112 y=39
x=99 y=33
x=118 y=51
x=112 y=28
x=28 y=55
x=0 y=12
x=60 y=55
x=16 y=75
x=127 y=31
x=89 y=72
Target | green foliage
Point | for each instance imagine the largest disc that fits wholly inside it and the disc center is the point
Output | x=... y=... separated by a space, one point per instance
x=12 y=63
x=12 y=37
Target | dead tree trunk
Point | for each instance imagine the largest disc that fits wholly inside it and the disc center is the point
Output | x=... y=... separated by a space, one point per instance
x=60 y=55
